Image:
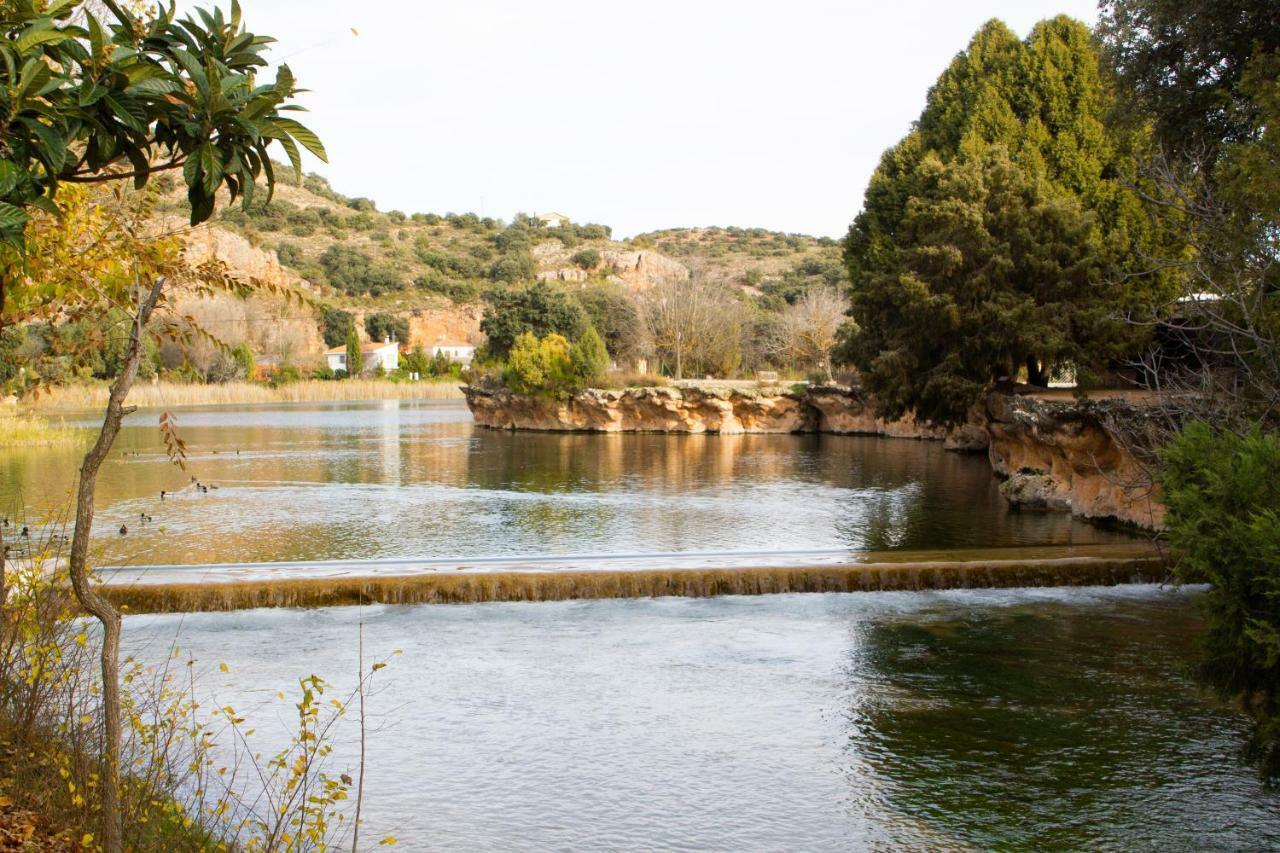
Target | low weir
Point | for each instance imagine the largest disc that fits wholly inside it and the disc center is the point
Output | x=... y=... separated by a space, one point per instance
x=223 y=588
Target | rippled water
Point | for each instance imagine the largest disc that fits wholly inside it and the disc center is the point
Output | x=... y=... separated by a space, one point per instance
x=961 y=720
x=401 y=479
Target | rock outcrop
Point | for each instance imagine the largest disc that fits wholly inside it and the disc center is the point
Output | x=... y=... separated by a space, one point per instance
x=715 y=408
x=666 y=409
x=636 y=270
x=1073 y=454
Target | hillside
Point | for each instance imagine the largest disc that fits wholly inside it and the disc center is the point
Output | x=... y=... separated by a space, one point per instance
x=435 y=269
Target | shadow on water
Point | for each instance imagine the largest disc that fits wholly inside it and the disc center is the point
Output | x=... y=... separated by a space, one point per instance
x=1027 y=725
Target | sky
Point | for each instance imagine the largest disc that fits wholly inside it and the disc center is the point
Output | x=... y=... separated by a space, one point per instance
x=638 y=115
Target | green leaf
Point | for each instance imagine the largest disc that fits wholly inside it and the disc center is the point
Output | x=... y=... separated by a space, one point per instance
x=154 y=86
x=52 y=143
x=211 y=166
x=308 y=139
x=131 y=113
x=295 y=157
x=12 y=216
x=139 y=71
x=33 y=38
x=10 y=175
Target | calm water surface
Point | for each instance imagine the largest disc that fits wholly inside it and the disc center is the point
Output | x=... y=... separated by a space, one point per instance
x=960 y=720
x=401 y=479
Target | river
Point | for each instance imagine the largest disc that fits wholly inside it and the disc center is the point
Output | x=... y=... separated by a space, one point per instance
x=954 y=720
x=400 y=479
x=1000 y=719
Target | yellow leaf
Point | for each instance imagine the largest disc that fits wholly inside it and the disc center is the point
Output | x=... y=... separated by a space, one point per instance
x=80 y=639
x=224 y=667
x=389 y=840
x=5 y=801
x=87 y=840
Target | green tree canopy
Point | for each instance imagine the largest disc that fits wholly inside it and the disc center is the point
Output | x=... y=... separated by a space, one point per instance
x=1183 y=62
x=336 y=325
x=1010 y=122
x=540 y=309
x=94 y=101
x=380 y=326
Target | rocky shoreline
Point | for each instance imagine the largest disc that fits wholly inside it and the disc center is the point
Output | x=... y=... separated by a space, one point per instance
x=1053 y=455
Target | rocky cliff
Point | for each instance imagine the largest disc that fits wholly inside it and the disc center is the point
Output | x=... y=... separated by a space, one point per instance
x=1076 y=455
x=723 y=408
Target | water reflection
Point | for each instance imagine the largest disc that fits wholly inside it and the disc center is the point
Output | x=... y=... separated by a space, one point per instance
x=405 y=479
x=1027 y=725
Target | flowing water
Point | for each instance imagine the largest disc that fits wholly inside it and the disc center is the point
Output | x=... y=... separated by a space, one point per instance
x=415 y=480
x=1062 y=719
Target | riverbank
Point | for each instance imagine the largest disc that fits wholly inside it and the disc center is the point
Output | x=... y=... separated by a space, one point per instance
x=934 y=570
x=171 y=394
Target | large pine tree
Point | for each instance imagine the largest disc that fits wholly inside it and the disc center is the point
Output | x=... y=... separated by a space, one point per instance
x=992 y=236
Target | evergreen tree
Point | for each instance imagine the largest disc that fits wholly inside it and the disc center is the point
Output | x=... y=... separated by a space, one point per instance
x=1010 y=123
x=589 y=358
x=355 y=358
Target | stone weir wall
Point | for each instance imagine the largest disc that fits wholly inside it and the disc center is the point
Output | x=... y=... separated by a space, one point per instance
x=1064 y=455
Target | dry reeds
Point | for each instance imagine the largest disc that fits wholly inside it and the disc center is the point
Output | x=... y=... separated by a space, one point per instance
x=30 y=430
x=442 y=588
x=171 y=394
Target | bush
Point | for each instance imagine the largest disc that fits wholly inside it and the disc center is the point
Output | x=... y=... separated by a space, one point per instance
x=515 y=266
x=289 y=254
x=1222 y=492
x=349 y=268
x=588 y=259
x=458 y=291
x=540 y=366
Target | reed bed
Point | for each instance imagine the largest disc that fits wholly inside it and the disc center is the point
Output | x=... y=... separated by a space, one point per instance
x=439 y=588
x=30 y=430
x=172 y=394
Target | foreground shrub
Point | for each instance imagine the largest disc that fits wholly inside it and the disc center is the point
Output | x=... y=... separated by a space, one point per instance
x=1222 y=491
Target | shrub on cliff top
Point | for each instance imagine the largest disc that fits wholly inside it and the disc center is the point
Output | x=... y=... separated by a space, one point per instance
x=540 y=366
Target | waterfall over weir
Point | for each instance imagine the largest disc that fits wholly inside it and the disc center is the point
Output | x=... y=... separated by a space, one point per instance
x=161 y=589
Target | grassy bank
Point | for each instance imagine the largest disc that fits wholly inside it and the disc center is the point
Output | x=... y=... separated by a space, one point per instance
x=168 y=395
x=29 y=430
x=1137 y=565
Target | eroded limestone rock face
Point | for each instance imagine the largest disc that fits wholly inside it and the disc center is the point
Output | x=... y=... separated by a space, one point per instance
x=1072 y=455
x=637 y=270
x=675 y=410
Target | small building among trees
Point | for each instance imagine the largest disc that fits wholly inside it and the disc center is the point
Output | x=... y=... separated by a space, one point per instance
x=373 y=355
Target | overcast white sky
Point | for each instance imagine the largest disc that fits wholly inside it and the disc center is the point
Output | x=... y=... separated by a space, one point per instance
x=639 y=115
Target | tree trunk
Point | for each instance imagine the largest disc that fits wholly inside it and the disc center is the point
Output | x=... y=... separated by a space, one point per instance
x=96 y=604
x=1035 y=376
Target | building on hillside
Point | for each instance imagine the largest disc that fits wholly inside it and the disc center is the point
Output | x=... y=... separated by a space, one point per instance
x=374 y=355
x=552 y=220
x=461 y=353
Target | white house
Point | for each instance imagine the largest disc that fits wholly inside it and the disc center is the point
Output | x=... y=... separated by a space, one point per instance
x=461 y=353
x=552 y=220
x=374 y=355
